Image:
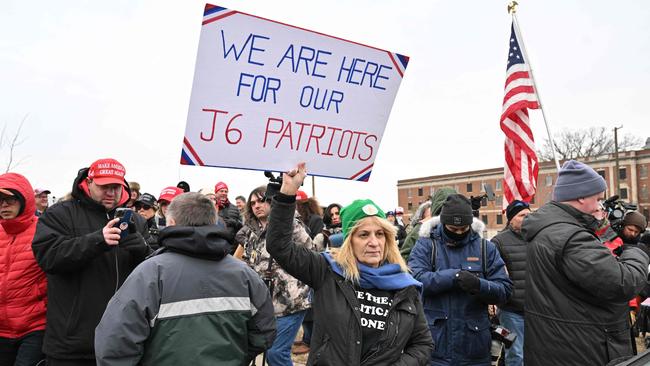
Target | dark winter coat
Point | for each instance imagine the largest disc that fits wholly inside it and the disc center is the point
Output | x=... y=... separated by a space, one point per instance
x=189 y=304
x=337 y=329
x=458 y=321
x=83 y=272
x=577 y=292
x=512 y=248
x=232 y=218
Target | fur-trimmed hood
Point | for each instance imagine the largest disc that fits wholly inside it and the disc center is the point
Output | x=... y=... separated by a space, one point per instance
x=427 y=227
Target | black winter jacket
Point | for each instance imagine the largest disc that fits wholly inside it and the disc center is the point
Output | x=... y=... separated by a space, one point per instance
x=232 y=218
x=577 y=292
x=512 y=248
x=337 y=330
x=83 y=272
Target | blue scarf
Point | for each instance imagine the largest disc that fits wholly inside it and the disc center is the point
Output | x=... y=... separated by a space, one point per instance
x=388 y=276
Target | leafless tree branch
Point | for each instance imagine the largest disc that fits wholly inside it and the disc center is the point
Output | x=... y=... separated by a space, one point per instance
x=594 y=141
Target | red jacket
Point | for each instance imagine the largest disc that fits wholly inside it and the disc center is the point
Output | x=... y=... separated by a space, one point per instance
x=23 y=284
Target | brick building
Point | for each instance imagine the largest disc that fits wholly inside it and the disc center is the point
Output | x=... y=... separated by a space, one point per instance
x=633 y=176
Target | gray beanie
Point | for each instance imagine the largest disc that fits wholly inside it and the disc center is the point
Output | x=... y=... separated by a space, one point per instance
x=577 y=180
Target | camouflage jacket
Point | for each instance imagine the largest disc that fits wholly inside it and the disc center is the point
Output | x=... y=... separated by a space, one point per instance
x=289 y=295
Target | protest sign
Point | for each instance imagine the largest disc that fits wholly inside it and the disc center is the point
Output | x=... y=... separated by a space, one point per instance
x=267 y=95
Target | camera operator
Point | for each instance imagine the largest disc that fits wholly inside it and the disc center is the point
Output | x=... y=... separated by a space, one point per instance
x=577 y=292
x=634 y=224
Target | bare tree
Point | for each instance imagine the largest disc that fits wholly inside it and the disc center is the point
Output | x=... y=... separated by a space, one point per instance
x=11 y=145
x=594 y=141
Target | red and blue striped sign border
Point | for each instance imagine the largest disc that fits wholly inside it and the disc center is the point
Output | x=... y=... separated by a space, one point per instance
x=189 y=155
x=213 y=13
x=364 y=174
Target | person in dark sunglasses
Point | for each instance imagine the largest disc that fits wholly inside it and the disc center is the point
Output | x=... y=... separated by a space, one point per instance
x=146 y=206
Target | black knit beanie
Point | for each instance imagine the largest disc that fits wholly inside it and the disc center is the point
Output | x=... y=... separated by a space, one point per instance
x=515 y=207
x=457 y=211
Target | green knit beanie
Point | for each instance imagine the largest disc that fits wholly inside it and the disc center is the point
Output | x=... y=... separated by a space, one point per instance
x=356 y=211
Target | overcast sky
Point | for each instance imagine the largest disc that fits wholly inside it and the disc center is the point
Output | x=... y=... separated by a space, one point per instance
x=113 y=79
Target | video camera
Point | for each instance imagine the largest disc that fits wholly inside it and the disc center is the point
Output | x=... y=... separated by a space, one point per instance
x=616 y=210
x=502 y=335
x=275 y=183
x=476 y=201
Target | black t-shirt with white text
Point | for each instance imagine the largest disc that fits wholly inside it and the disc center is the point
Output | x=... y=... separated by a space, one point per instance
x=374 y=306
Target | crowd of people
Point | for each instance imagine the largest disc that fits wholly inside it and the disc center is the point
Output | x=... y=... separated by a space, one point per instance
x=192 y=278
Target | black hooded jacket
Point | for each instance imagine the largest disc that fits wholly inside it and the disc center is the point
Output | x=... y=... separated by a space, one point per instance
x=576 y=292
x=83 y=272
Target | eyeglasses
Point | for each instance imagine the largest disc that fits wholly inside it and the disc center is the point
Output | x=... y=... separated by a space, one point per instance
x=10 y=200
x=142 y=207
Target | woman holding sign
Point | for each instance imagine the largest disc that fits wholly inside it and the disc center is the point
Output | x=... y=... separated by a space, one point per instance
x=367 y=308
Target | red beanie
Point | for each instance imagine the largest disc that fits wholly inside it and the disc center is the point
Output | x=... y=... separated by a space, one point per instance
x=220 y=186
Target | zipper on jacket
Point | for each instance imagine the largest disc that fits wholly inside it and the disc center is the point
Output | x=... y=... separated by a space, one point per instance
x=117 y=267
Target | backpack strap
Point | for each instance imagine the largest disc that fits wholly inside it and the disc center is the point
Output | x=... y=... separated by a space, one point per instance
x=433 y=255
x=483 y=256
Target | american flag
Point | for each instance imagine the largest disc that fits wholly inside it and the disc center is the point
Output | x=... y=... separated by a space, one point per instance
x=520 y=170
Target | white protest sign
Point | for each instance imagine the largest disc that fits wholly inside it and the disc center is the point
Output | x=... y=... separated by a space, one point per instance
x=267 y=95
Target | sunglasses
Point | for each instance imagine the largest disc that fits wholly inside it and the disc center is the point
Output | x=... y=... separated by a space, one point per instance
x=10 y=200
x=143 y=207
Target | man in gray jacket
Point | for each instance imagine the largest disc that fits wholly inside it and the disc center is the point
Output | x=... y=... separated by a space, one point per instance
x=191 y=304
x=577 y=292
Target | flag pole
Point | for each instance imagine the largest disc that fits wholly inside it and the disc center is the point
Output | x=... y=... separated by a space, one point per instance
x=512 y=9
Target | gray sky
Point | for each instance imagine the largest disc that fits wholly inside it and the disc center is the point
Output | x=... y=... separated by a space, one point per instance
x=113 y=79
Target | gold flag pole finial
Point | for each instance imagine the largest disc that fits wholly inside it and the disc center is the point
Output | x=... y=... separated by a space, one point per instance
x=512 y=7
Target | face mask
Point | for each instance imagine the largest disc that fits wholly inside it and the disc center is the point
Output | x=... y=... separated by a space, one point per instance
x=453 y=236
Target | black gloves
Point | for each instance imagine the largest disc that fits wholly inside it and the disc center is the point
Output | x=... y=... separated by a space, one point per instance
x=135 y=244
x=468 y=282
x=619 y=250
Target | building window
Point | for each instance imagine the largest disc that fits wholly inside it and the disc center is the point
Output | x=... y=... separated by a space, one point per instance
x=601 y=173
x=432 y=190
x=410 y=206
x=408 y=193
x=484 y=218
x=622 y=174
x=644 y=192
x=484 y=202
x=482 y=187
x=623 y=193
x=499 y=203
x=499 y=219
x=643 y=171
x=420 y=192
x=469 y=187
x=549 y=180
x=498 y=185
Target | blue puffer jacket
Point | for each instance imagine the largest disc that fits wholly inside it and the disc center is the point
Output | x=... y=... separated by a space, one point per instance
x=459 y=322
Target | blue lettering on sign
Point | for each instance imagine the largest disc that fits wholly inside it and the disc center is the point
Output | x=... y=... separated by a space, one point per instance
x=320 y=99
x=358 y=71
x=307 y=56
x=251 y=48
x=259 y=85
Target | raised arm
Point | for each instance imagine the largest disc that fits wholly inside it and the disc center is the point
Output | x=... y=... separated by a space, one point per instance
x=300 y=262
